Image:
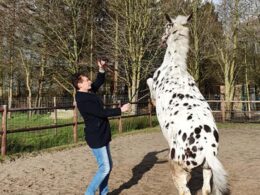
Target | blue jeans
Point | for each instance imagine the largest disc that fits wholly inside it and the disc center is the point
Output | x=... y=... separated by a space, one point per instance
x=100 y=180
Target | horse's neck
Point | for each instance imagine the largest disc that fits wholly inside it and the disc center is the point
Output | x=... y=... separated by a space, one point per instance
x=175 y=57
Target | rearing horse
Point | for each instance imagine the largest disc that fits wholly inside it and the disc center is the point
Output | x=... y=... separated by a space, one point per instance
x=184 y=116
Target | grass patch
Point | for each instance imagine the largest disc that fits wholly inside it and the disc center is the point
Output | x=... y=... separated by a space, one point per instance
x=49 y=138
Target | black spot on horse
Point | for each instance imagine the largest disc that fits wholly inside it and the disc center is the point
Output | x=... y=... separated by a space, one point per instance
x=193 y=155
x=188 y=152
x=167 y=125
x=197 y=136
x=174 y=95
x=183 y=157
x=213 y=145
x=158 y=73
x=191 y=140
x=207 y=128
x=216 y=135
x=188 y=163
x=194 y=148
x=170 y=102
x=189 y=117
x=201 y=148
x=174 y=32
x=197 y=130
x=185 y=104
x=181 y=96
x=175 y=113
x=194 y=163
x=172 y=153
x=184 y=136
x=179 y=132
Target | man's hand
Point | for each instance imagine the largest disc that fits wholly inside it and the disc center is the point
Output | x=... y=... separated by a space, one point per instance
x=126 y=107
x=101 y=63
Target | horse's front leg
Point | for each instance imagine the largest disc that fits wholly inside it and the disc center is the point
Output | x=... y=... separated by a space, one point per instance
x=150 y=86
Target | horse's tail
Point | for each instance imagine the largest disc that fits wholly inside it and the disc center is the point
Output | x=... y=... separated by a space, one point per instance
x=220 y=182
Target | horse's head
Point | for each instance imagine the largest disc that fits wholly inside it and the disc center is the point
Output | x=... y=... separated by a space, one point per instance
x=175 y=29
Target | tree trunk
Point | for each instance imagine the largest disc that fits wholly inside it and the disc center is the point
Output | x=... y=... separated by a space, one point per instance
x=2 y=84
x=91 y=50
x=247 y=86
x=10 y=89
x=115 y=80
x=196 y=43
x=40 y=83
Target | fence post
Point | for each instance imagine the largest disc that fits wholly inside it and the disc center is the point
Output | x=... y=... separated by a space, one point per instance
x=104 y=99
x=150 y=112
x=4 y=127
x=75 y=121
x=223 y=111
x=55 y=113
x=120 y=129
x=223 y=105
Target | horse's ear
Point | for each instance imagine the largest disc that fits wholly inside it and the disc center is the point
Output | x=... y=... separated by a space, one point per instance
x=189 y=17
x=168 y=18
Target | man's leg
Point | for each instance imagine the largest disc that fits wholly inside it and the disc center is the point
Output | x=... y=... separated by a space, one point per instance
x=103 y=169
x=103 y=188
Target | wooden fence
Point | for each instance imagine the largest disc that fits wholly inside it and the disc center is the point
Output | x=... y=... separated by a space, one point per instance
x=220 y=111
x=4 y=111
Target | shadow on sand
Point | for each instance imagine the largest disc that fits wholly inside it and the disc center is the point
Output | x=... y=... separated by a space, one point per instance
x=149 y=160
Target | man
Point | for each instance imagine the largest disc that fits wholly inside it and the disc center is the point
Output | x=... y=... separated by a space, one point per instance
x=97 y=128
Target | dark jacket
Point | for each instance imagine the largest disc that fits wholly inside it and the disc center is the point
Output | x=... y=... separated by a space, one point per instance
x=97 y=128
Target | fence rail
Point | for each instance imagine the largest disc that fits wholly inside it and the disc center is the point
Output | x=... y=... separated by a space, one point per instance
x=4 y=131
x=245 y=110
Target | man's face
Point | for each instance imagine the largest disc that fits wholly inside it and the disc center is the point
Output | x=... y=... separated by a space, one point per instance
x=85 y=84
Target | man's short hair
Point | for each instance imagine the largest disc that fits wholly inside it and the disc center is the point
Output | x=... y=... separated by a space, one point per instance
x=77 y=78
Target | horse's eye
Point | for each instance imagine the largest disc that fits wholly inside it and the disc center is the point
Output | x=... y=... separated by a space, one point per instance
x=169 y=25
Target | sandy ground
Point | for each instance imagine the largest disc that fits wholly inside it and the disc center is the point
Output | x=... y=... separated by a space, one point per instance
x=140 y=167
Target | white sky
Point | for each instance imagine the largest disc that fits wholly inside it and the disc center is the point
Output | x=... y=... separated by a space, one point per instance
x=216 y=1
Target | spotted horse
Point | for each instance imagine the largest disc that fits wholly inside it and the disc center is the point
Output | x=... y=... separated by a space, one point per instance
x=184 y=116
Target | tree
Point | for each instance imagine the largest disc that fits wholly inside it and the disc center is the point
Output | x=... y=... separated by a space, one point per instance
x=9 y=45
x=65 y=26
x=227 y=50
x=133 y=34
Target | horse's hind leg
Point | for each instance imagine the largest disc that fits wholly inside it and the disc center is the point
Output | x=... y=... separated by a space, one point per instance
x=180 y=178
x=207 y=174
